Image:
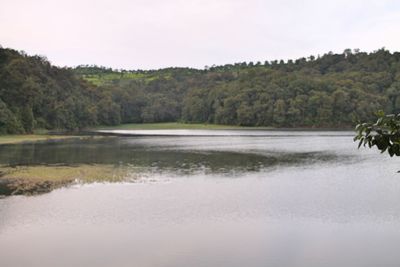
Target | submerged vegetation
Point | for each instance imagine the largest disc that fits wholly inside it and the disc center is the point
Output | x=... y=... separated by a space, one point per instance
x=27 y=138
x=333 y=90
x=42 y=179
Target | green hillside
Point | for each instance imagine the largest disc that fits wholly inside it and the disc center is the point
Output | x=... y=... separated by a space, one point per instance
x=34 y=94
x=334 y=90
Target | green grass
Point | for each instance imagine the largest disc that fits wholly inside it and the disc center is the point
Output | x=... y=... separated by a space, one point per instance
x=172 y=126
x=28 y=138
x=31 y=180
x=101 y=79
x=83 y=173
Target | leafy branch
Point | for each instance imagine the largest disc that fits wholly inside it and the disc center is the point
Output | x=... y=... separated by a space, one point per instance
x=384 y=134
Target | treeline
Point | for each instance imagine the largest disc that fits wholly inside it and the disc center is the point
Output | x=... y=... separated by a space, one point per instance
x=334 y=90
x=35 y=94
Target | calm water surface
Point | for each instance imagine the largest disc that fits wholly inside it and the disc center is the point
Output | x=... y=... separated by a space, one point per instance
x=240 y=198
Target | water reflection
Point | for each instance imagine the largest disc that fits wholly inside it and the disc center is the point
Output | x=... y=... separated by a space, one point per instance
x=185 y=155
x=342 y=209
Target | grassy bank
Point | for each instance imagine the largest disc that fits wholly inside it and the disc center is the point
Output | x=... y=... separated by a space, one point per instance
x=174 y=126
x=15 y=139
x=30 y=180
x=30 y=138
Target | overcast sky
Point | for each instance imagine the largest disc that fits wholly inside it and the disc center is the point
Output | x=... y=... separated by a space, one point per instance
x=149 y=34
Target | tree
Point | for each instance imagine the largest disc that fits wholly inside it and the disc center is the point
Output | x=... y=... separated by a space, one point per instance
x=333 y=90
x=384 y=134
x=27 y=119
x=8 y=122
x=280 y=112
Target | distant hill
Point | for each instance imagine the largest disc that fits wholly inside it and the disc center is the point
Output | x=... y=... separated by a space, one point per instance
x=34 y=94
x=334 y=90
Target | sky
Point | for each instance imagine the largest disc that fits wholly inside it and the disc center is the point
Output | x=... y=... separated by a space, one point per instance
x=152 y=34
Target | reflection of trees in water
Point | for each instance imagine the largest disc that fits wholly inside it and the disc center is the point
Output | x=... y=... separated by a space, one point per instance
x=111 y=151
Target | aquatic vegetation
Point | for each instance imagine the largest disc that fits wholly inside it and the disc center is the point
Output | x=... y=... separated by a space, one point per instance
x=41 y=179
x=26 y=138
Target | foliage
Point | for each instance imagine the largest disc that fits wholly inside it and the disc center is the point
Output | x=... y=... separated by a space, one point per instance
x=384 y=134
x=332 y=90
x=34 y=94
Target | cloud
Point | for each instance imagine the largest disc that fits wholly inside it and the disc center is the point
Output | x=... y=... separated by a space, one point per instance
x=160 y=33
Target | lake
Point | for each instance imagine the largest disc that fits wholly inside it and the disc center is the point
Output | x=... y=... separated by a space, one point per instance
x=209 y=198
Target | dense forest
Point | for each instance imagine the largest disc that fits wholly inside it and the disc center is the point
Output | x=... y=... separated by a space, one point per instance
x=333 y=90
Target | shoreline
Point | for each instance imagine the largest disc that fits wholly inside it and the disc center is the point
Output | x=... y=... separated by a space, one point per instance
x=203 y=126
